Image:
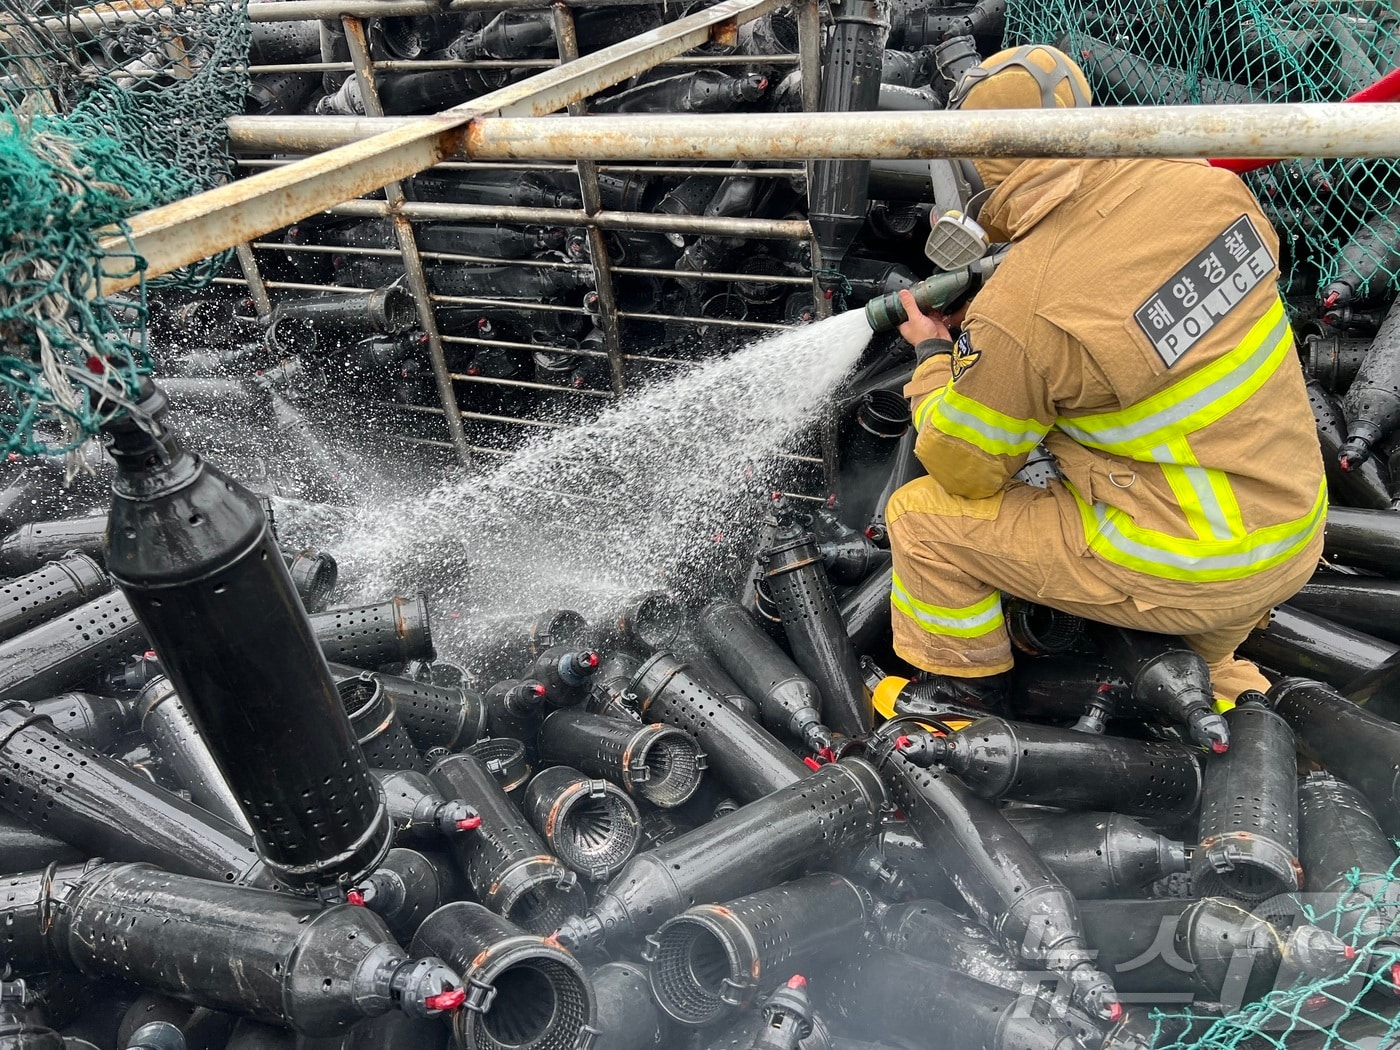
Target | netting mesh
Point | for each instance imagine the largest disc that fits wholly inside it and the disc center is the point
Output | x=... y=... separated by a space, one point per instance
x=1340 y=217
x=1355 y=1010
x=105 y=110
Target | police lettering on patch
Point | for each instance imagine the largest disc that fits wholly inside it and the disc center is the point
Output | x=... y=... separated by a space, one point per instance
x=1179 y=313
x=964 y=357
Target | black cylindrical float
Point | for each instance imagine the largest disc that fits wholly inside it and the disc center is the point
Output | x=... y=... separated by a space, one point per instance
x=1054 y=688
x=815 y=632
x=1349 y=860
x=741 y=753
x=69 y=650
x=176 y=741
x=523 y=992
x=1363 y=539
x=565 y=672
x=1356 y=745
x=658 y=763
x=97 y=721
x=507 y=865
x=513 y=644
x=48 y=592
x=628 y=1017
x=514 y=708
x=1024 y=762
x=402 y=891
x=1040 y=630
x=102 y=806
x=1332 y=361
x=1302 y=643
x=850 y=82
x=195 y=555
x=506 y=759
x=419 y=811
x=269 y=956
x=374 y=718
x=1002 y=879
x=712 y=959
x=34 y=545
x=1249 y=810
x=934 y=932
x=905 y=998
x=1367 y=483
x=387 y=311
x=1100 y=855
x=788 y=701
x=591 y=825
x=1167 y=677
x=1221 y=951
x=28 y=903
x=369 y=636
x=314 y=574
x=865 y=610
x=610 y=691
x=870 y=453
x=25 y=848
x=805 y=825
x=644 y=622
x=1363 y=603
x=434 y=715
x=1372 y=401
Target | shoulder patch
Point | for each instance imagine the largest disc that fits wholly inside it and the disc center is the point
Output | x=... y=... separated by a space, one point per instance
x=1178 y=314
x=964 y=357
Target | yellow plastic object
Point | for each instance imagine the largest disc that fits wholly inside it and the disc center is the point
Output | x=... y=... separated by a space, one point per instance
x=1222 y=705
x=887 y=691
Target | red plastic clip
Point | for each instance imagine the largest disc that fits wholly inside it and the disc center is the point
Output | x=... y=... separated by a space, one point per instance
x=811 y=763
x=1219 y=747
x=1115 y=1012
x=468 y=823
x=902 y=743
x=797 y=981
x=356 y=898
x=448 y=1000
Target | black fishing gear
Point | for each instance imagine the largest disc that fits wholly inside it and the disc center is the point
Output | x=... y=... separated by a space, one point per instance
x=195 y=555
x=812 y=822
x=658 y=763
x=1001 y=759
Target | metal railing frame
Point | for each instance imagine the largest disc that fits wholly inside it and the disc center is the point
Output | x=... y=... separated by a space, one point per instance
x=362 y=155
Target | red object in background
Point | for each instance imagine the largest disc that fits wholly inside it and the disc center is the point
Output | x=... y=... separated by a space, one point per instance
x=1386 y=89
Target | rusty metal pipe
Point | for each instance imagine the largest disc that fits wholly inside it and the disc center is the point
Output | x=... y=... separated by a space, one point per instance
x=1314 y=130
x=202 y=225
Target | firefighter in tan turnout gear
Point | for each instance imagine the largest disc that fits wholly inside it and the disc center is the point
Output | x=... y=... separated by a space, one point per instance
x=1135 y=328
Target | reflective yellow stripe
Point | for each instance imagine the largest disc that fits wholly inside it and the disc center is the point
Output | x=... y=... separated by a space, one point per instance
x=1205 y=495
x=925 y=407
x=995 y=433
x=971 y=621
x=1156 y=430
x=1114 y=536
x=1200 y=399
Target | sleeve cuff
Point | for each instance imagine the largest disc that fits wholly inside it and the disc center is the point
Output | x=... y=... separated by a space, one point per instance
x=932 y=347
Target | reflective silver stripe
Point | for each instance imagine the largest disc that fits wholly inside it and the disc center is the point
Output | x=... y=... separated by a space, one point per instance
x=1172 y=418
x=1203 y=562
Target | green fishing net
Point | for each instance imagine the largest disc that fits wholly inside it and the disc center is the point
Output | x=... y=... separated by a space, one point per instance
x=105 y=110
x=1339 y=218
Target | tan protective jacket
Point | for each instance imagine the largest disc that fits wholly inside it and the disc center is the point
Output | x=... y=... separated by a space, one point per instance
x=1135 y=327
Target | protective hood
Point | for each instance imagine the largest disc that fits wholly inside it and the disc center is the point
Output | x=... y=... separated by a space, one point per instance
x=1026 y=191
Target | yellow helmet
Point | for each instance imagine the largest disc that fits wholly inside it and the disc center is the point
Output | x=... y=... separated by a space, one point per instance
x=1033 y=76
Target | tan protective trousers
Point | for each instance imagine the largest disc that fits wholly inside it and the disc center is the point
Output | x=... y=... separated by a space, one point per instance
x=953 y=556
